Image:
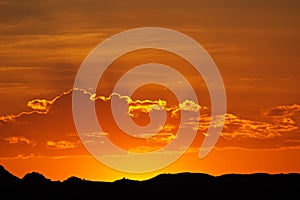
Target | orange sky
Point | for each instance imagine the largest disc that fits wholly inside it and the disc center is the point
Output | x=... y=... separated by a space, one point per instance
x=254 y=45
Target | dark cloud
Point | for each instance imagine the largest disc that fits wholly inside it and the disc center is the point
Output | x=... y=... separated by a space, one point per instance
x=68 y=16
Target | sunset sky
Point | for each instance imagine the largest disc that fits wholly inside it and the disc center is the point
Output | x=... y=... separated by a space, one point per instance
x=255 y=45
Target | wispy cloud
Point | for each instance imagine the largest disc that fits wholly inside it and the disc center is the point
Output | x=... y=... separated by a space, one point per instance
x=145 y=106
x=39 y=106
x=61 y=144
x=239 y=127
x=20 y=139
x=48 y=125
x=44 y=122
x=250 y=79
x=282 y=111
x=236 y=127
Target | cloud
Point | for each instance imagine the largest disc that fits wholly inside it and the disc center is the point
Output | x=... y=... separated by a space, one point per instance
x=282 y=111
x=48 y=129
x=12 y=117
x=43 y=104
x=49 y=123
x=250 y=79
x=96 y=134
x=271 y=122
x=187 y=105
x=142 y=149
x=62 y=144
x=162 y=137
x=16 y=140
x=145 y=106
x=238 y=127
x=39 y=104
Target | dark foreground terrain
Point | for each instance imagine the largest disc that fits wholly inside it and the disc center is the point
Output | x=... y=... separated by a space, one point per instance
x=182 y=185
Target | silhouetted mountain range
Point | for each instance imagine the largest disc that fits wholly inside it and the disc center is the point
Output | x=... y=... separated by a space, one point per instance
x=182 y=185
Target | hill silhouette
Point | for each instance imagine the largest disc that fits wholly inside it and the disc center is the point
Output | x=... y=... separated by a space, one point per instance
x=6 y=178
x=185 y=185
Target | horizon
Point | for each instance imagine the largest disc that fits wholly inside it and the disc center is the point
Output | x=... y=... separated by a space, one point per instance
x=125 y=178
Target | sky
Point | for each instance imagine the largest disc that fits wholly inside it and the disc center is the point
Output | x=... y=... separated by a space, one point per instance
x=253 y=44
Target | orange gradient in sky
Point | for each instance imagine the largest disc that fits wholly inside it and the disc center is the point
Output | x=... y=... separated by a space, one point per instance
x=254 y=45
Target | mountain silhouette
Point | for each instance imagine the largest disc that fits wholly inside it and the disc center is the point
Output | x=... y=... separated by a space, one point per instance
x=35 y=178
x=181 y=185
x=6 y=178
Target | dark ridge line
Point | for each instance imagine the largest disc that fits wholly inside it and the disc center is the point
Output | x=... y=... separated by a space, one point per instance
x=184 y=185
x=36 y=175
